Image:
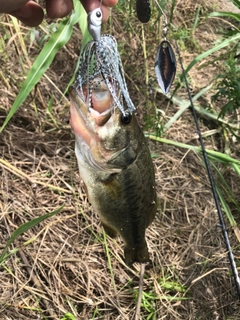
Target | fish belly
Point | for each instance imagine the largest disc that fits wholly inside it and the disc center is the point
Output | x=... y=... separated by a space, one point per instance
x=125 y=202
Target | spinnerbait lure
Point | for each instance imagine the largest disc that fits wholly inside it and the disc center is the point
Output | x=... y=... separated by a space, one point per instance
x=100 y=57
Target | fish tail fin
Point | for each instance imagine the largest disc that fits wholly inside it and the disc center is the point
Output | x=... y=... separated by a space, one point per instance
x=136 y=254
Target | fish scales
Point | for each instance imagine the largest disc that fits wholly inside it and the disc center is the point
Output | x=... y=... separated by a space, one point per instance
x=125 y=202
x=116 y=167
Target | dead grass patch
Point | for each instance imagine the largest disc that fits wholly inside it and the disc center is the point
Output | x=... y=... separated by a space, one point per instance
x=64 y=267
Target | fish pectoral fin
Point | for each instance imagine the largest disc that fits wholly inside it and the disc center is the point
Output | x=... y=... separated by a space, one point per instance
x=136 y=254
x=109 y=231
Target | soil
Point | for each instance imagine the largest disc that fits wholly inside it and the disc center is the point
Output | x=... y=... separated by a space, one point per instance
x=65 y=264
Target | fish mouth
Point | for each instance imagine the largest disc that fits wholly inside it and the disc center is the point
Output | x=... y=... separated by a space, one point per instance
x=86 y=118
x=92 y=123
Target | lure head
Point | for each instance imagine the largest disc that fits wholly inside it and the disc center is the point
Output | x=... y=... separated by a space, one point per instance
x=95 y=23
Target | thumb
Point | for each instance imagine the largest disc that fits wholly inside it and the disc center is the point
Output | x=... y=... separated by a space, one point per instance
x=30 y=14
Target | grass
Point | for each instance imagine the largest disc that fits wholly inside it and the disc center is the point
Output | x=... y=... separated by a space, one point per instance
x=20 y=230
x=71 y=256
x=44 y=59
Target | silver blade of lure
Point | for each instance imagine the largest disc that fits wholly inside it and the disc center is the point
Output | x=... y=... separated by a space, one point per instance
x=165 y=66
x=100 y=57
x=165 y=62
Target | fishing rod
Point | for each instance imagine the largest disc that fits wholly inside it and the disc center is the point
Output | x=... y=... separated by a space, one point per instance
x=211 y=180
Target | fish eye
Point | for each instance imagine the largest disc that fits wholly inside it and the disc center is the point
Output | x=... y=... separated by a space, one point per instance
x=126 y=118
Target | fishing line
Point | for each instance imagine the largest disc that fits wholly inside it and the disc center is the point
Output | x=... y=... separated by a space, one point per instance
x=211 y=180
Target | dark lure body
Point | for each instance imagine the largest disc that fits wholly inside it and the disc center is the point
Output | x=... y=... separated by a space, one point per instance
x=143 y=10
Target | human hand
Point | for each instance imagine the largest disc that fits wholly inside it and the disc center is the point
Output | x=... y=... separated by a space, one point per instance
x=31 y=13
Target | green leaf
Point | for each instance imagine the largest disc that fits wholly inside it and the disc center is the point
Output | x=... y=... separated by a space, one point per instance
x=236 y=3
x=220 y=46
x=44 y=59
x=226 y=208
x=24 y=227
x=83 y=24
x=228 y=107
x=215 y=155
x=68 y=316
x=235 y=16
x=184 y=104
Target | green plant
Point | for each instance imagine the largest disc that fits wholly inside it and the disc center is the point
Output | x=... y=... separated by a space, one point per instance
x=148 y=303
x=228 y=86
x=185 y=36
x=58 y=39
x=231 y=38
x=228 y=82
x=68 y=316
x=20 y=230
x=223 y=189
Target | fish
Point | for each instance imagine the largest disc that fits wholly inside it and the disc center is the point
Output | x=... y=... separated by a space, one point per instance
x=115 y=165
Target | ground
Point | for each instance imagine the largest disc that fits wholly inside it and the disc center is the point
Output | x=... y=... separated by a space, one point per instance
x=66 y=263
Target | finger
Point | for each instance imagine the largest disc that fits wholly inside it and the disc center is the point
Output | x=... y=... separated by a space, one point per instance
x=11 y=5
x=58 y=8
x=30 y=14
x=90 y=5
x=109 y=3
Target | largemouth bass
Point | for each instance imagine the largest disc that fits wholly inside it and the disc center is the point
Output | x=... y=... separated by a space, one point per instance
x=116 y=167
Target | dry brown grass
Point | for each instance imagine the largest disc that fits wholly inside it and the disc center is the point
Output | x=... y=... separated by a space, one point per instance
x=64 y=267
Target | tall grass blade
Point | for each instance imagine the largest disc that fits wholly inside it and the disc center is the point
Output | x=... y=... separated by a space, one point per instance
x=183 y=104
x=226 y=193
x=229 y=215
x=24 y=227
x=236 y=168
x=214 y=155
x=232 y=15
x=221 y=158
x=83 y=24
x=226 y=208
x=225 y=187
x=196 y=19
x=220 y=46
x=44 y=59
x=236 y=3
